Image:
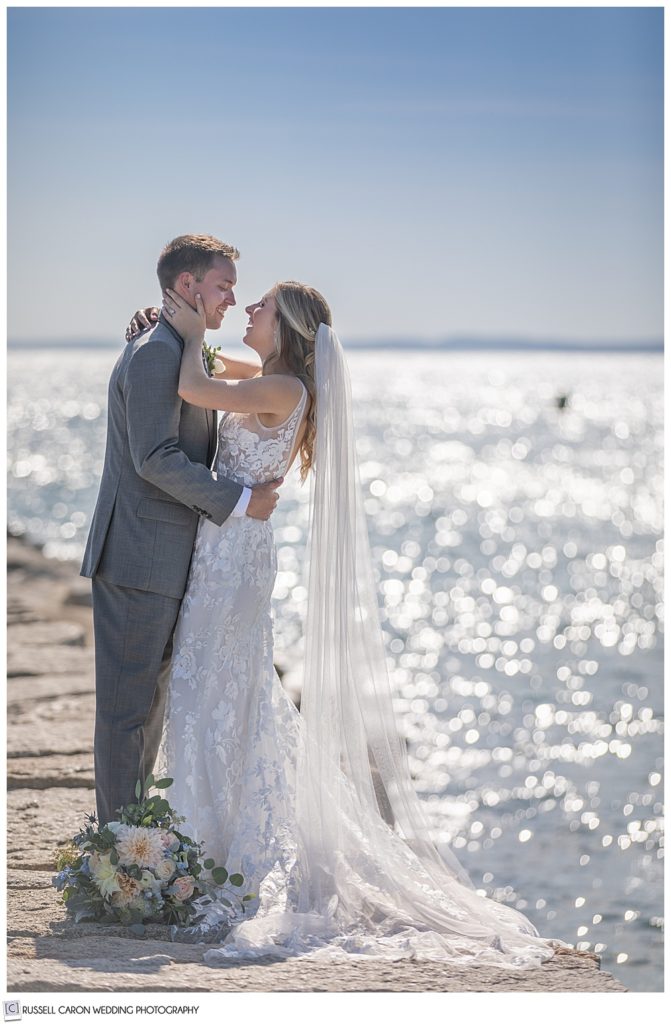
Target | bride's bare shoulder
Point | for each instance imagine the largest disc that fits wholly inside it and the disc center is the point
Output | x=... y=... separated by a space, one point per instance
x=293 y=385
x=288 y=390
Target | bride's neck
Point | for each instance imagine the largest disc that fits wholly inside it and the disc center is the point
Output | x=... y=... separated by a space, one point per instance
x=273 y=365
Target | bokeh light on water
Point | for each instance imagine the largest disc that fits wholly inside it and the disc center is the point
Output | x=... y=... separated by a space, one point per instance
x=516 y=537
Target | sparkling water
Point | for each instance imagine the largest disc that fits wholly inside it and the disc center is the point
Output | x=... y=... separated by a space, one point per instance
x=515 y=517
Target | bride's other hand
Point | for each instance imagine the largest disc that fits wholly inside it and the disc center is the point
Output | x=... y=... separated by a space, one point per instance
x=141 y=320
x=264 y=498
x=188 y=322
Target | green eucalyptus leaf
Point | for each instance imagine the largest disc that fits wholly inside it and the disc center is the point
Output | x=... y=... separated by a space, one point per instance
x=249 y=896
x=138 y=789
x=237 y=880
x=220 y=875
x=209 y=863
x=149 y=781
x=164 y=783
x=114 y=857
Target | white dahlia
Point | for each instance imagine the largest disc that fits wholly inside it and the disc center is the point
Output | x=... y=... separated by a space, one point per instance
x=138 y=845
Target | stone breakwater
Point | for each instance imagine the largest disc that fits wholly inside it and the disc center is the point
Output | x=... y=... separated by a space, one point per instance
x=50 y=696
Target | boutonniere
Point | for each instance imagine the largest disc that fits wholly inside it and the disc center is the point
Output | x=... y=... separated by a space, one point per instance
x=212 y=361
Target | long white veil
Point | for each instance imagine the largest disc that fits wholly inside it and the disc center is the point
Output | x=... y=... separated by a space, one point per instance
x=365 y=852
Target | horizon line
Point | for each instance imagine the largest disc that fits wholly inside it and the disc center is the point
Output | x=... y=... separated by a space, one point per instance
x=456 y=342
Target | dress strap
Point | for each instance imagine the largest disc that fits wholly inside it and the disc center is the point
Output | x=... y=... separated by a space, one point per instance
x=298 y=413
x=288 y=420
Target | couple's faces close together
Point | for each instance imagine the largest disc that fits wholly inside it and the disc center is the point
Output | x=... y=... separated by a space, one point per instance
x=216 y=291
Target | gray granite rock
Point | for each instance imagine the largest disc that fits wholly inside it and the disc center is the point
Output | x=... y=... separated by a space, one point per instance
x=21 y=878
x=50 y=633
x=40 y=820
x=61 y=725
x=79 y=593
x=154 y=972
x=45 y=688
x=49 y=953
x=49 y=659
x=149 y=967
x=49 y=770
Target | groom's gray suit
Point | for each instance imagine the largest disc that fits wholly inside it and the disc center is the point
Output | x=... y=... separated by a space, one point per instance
x=155 y=484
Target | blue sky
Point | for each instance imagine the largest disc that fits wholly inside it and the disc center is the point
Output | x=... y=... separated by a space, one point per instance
x=441 y=171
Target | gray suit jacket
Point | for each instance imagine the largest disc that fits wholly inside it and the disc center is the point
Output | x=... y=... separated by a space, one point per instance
x=156 y=481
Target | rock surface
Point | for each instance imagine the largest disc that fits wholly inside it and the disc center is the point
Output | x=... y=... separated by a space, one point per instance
x=50 y=781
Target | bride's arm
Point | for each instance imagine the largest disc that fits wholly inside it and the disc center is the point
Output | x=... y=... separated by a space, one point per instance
x=236 y=369
x=275 y=393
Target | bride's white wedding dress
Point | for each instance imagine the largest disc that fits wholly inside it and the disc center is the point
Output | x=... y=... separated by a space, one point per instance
x=332 y=877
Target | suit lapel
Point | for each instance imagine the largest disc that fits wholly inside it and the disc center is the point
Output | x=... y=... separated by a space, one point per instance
x=210 y=414
x=212 y=427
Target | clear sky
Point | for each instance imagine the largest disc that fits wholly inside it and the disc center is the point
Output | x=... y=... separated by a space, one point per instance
x=435 y=171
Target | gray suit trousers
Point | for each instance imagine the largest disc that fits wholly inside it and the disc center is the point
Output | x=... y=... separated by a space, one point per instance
x=133 y=631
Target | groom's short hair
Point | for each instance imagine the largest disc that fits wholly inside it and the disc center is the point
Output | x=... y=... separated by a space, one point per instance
x=192 y=253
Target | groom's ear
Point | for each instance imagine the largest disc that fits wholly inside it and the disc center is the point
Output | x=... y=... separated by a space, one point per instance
x=184 y=282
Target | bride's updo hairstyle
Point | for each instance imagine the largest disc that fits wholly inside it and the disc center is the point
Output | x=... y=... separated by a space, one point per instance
x=300 y=311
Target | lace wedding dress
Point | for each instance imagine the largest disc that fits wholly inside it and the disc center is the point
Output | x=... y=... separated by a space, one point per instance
x=333 y=878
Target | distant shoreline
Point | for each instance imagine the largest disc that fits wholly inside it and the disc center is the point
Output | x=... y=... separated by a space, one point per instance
x=405 y=344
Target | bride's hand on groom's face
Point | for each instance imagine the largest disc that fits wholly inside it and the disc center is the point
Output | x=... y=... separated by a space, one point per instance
x=140 y=321
x=188 y=322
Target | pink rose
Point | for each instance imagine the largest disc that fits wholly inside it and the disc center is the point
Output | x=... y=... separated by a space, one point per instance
x=183 y=887
x=169 y=840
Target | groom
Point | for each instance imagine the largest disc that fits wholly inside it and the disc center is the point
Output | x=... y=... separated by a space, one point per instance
x=156 y=483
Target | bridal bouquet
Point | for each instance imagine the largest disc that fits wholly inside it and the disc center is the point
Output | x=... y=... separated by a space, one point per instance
x=141 y=868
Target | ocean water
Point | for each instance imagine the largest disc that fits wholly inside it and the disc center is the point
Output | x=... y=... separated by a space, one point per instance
x=517 y=540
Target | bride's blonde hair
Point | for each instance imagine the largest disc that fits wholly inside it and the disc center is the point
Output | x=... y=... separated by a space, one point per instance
x=300 y=311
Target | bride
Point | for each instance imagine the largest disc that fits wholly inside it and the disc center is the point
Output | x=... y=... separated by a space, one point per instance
x=316 y=809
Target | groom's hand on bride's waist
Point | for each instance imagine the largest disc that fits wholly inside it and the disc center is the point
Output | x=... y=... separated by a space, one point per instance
x=264 y=499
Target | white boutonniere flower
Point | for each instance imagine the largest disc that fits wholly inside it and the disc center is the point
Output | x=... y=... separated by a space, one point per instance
x=212 y=361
